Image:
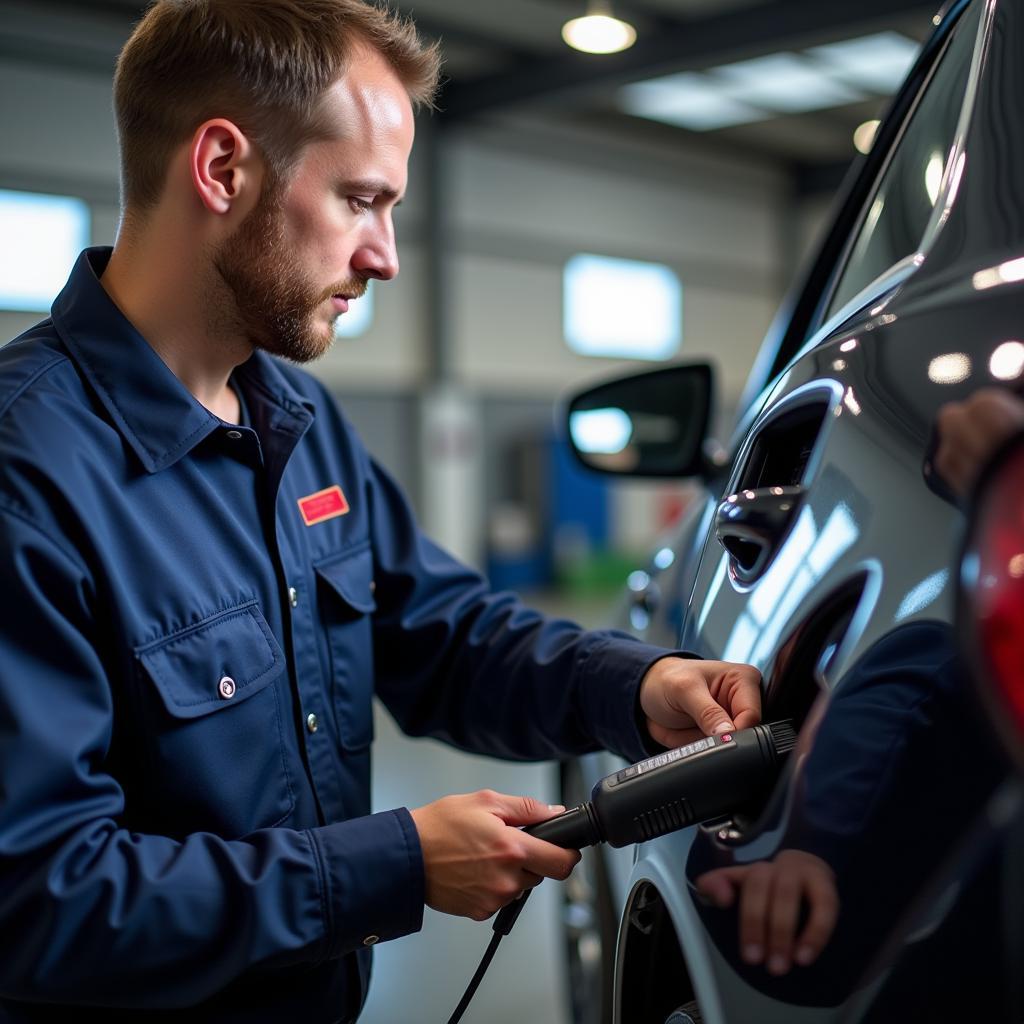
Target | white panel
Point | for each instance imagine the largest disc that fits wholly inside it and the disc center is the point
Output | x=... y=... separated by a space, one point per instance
x=611 y=212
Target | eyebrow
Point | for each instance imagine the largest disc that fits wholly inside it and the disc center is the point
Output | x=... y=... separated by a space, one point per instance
x=373 y=186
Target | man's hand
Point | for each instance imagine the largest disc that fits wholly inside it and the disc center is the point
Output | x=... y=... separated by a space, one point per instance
x=771 y=896
x=969 y=432
x=474 y=857
x=685 y=699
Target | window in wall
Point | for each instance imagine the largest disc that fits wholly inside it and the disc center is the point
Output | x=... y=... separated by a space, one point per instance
x=621 y=308
x=43 y=236
x=358 y=318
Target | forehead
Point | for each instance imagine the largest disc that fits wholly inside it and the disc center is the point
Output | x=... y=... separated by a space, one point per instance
x=369 y=117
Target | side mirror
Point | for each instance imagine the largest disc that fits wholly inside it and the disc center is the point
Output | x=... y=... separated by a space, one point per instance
x=648 y=424
x=990 y=613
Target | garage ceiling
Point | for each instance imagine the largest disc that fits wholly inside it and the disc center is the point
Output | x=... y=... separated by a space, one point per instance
x=509 y=56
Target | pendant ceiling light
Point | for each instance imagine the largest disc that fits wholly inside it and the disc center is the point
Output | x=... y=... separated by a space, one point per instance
x=599 y=31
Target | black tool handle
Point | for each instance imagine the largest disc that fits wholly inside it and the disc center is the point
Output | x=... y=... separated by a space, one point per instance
x=572 y=830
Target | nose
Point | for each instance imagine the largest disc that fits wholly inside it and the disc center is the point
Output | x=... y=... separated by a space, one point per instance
x=377 y=256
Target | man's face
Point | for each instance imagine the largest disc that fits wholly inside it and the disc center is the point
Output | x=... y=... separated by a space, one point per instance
x=313 y=242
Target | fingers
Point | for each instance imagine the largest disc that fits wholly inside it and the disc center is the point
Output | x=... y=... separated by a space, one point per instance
x=822 y=919
x=757 y=889
x=685 y=699
x=476 y=860
x=521 y=810
x=771 y=897
x=721 y=885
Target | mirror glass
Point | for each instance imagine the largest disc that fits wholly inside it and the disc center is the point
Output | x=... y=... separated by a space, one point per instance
x=650 y=424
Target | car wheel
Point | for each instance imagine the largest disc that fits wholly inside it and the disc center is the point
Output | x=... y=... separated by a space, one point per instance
x=688 y=1013
x=590 y=922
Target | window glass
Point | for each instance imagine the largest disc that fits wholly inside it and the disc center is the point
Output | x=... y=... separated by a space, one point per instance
x=43 y=236
x=899 y=211
x=621 y=308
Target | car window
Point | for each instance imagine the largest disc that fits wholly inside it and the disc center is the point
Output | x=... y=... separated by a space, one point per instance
x=899 y=210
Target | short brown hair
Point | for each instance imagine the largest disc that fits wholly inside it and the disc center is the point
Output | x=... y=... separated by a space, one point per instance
x=263 y=64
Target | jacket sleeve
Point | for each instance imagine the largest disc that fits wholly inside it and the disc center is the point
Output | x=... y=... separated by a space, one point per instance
x=91 y=913
x=481 y=671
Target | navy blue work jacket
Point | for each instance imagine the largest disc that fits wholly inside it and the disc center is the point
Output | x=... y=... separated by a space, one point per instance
x=194 y=616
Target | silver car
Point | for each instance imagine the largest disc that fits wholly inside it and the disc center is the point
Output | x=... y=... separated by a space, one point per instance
x=824 y=552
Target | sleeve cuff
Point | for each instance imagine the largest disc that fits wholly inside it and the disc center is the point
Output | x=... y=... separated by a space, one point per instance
x=611 y=674
x=373 y=882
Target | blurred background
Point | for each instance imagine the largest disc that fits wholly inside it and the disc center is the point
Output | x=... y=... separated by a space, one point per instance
x=570 y=216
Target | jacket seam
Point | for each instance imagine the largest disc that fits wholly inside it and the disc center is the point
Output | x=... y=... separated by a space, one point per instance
x=26 y=384
x=322 y=886
x=192 y=627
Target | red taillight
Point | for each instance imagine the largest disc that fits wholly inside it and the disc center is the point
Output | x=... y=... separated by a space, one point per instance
x=993 y=594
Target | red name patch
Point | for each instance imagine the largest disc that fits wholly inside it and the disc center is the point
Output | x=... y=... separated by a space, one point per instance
x=325 y=504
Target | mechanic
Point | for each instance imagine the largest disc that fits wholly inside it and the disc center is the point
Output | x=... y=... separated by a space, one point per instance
x=204 y=576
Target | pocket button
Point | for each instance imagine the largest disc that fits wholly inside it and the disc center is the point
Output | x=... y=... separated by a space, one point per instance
x=226 y=687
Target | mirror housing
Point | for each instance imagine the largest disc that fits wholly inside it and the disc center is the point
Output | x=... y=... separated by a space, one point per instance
x=651 y=424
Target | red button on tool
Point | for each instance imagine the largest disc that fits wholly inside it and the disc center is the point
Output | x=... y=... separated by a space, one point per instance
x=726 y=737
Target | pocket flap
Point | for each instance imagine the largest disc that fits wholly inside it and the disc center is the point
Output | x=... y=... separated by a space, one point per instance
x=350 y=576
x=215 y=664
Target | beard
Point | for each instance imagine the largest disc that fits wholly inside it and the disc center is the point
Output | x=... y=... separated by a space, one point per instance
x=275 y=305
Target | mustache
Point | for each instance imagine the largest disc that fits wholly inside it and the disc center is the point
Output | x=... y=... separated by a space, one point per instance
x=353 y=288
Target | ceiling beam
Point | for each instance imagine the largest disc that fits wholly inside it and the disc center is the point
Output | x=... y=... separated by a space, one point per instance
x=745 y=33
x=116 y=18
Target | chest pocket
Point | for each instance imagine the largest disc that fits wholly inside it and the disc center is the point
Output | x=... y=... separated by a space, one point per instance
x=347 y=603
x=214 y=716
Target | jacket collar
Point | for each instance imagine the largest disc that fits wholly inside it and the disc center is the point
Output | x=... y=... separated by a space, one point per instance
x=155 y=413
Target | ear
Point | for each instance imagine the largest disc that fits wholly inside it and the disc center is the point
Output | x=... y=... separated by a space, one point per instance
x=224 y=165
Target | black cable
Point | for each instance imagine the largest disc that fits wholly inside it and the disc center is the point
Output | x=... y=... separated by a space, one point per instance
x=502 y=926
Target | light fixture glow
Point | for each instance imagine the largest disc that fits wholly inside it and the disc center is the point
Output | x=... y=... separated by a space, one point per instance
x=933 y=177
x=1007 y=361
x=600 y=431
x=951 y=368
x=878 y=63
x=864 y=136
x=598 y=31
x=776 y=84
x=687 y=100
x=1006 y=273
x=786 y=83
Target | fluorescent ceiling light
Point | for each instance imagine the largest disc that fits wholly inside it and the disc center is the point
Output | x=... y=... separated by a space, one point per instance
x=778 y=84
x=687 y=100
x=784 y=82
x=878 y=63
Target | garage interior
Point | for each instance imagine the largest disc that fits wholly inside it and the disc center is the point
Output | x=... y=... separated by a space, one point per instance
x=536 y=155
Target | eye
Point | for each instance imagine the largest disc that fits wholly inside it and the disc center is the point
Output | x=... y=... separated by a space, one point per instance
x=360 y=204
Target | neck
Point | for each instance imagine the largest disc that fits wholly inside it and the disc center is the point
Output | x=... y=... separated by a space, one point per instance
x=167 y=289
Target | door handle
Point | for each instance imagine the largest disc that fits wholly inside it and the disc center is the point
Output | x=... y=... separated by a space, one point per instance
x=751 y=525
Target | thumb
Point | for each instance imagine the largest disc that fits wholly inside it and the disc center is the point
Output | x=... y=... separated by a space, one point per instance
x=711 y=718
x=524 y=810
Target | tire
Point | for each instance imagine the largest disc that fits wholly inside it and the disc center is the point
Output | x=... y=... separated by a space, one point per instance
x=590 y=922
